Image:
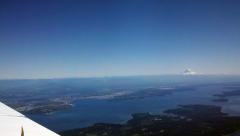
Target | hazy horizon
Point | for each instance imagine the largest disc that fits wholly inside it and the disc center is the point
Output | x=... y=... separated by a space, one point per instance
x=119 y=76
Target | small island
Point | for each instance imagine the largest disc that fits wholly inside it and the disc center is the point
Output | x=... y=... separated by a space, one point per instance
x=224 y=96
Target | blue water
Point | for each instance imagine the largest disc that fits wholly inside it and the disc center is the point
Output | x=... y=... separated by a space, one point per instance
x=87 y=112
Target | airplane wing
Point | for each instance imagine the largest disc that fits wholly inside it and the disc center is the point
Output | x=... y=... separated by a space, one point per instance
x=13 y=123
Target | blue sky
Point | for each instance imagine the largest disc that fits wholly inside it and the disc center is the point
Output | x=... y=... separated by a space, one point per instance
x=62 y=38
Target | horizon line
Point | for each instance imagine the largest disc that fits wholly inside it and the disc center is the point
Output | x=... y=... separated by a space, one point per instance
x=79 y=77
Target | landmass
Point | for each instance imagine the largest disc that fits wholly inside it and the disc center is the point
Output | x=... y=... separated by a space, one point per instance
x=229 y=93
x=46 y=108
x=224 y=96
x=221 y=99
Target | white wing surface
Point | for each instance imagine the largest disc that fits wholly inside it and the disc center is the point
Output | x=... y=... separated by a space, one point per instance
x=13 y=123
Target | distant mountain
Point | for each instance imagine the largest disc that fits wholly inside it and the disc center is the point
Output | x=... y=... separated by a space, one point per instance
x=189 y=72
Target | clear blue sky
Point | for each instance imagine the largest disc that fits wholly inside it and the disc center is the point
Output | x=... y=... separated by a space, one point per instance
x=81 y=38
